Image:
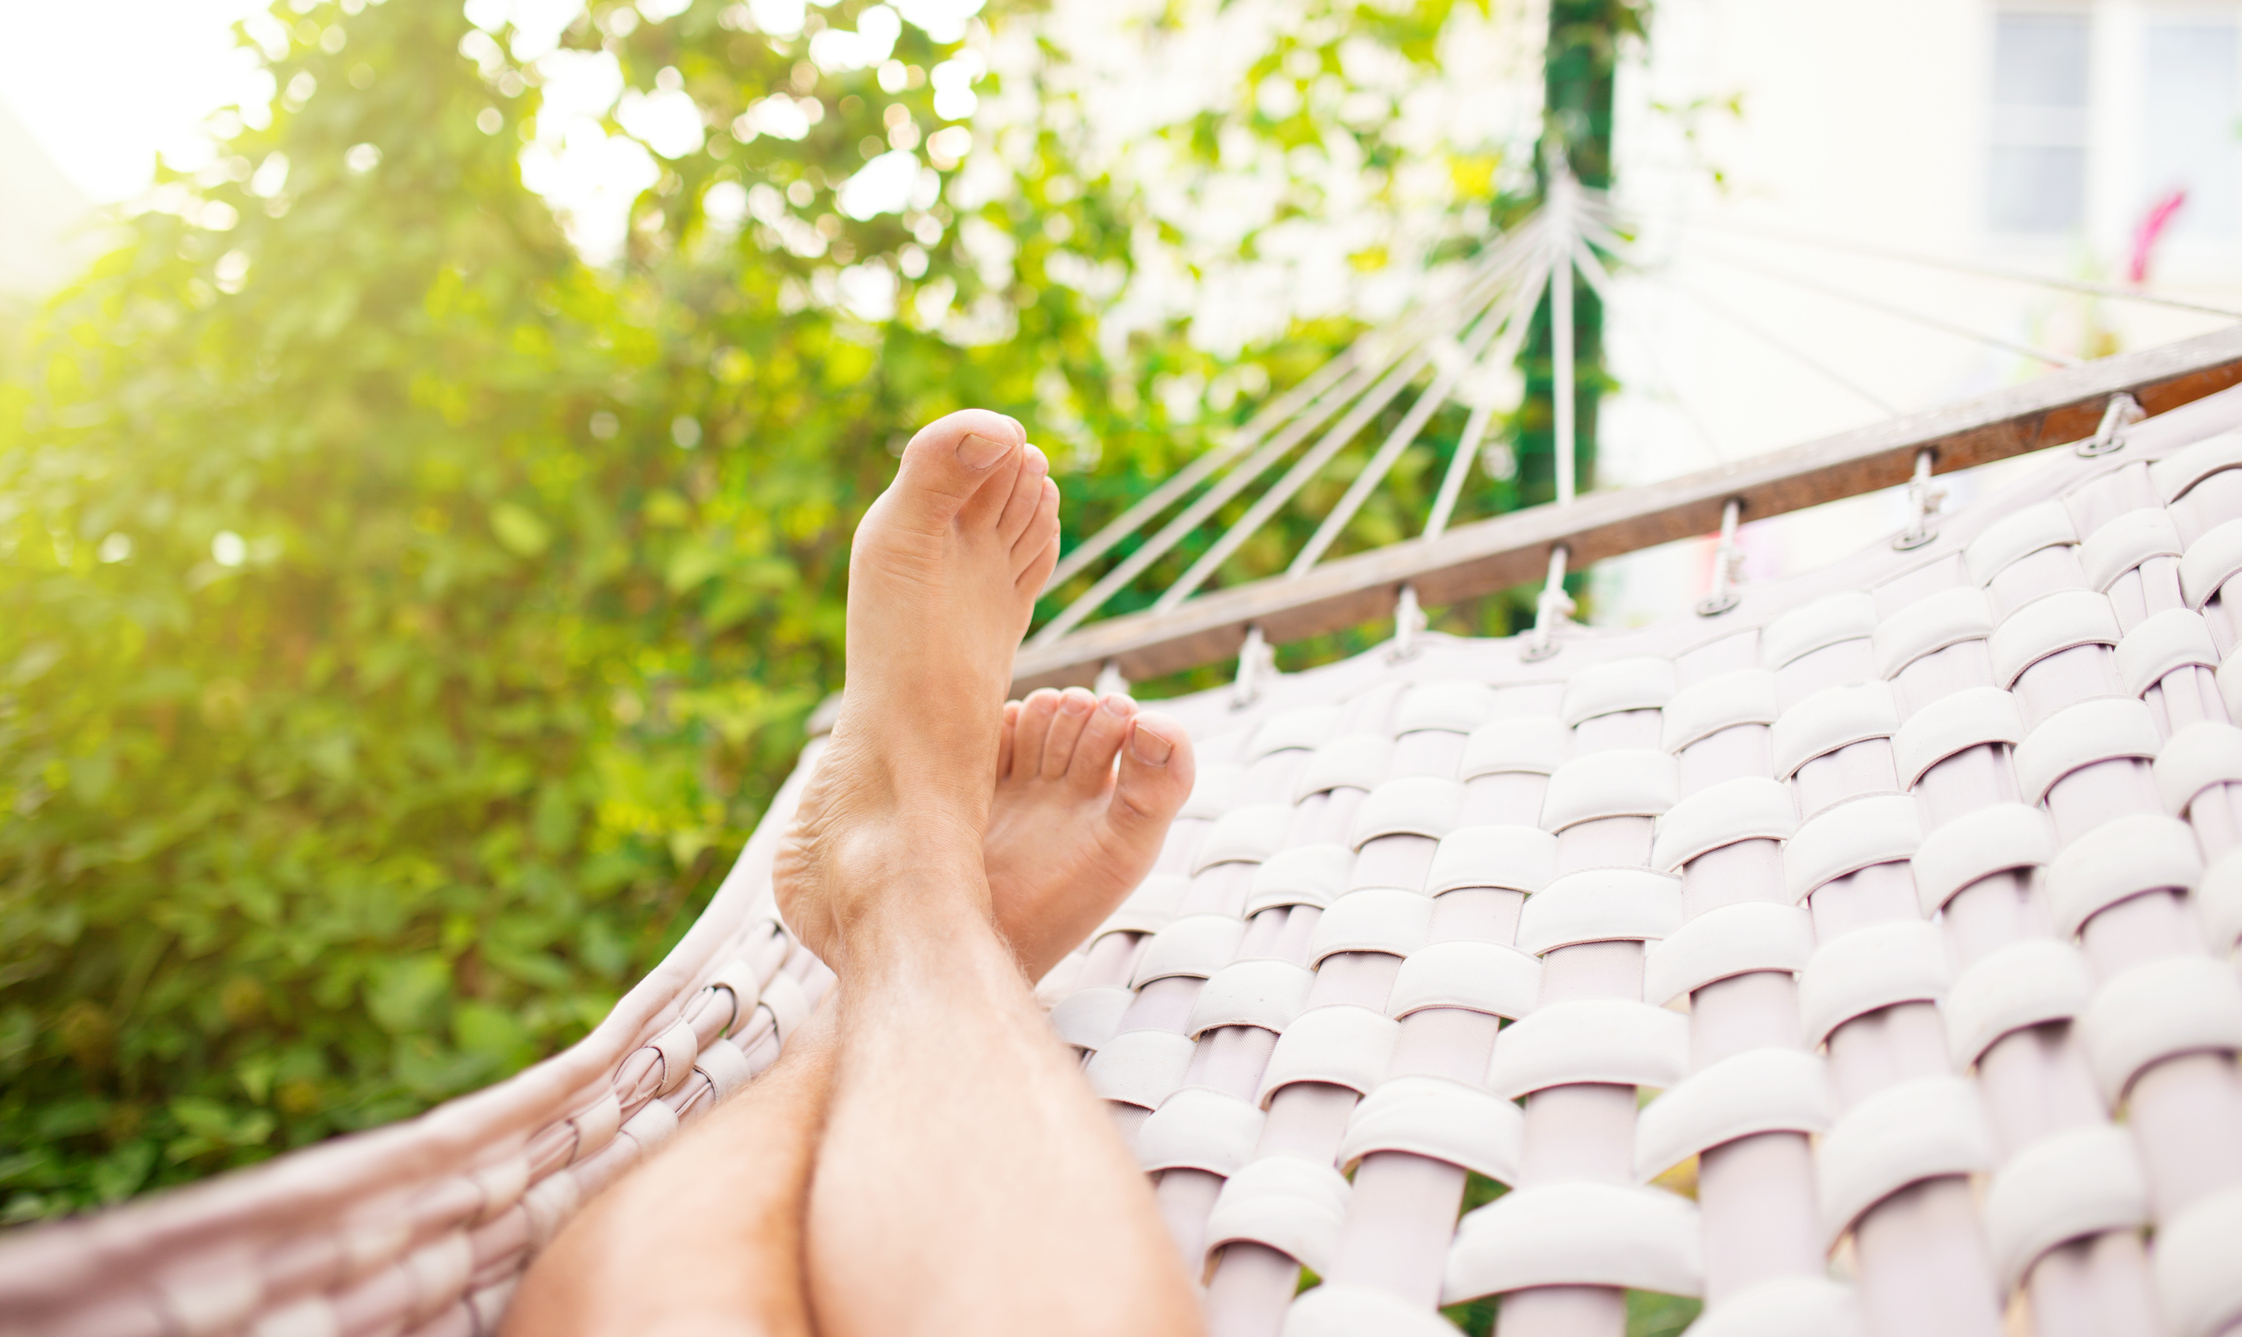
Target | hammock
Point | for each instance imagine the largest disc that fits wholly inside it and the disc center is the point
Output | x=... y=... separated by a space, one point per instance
x=1855 y=955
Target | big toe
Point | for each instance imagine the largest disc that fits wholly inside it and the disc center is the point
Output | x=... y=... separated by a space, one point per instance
x=953 y=458
x=1157 y=768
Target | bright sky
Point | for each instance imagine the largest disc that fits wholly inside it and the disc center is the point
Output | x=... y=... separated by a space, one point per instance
x=104 y=85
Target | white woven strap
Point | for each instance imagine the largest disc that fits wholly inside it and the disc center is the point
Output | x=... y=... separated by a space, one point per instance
x=2127 y=541
x=1336 y=1309
x=1757 y=1091
x=1620 y=783
x=1732 y=940
x=2230 y=684
x=1520 y=858
x=1415 y=805
x=745 y=984
x=1150 y=908
x=1899 y=1136
x=726 y=1068
x=1139 y=1067
x=500 y=1185
x=2198 y=1266
x=2050 y=625
x=2163 y=642
x=1576 y=1234
x=1590 y=1040
x=1268 y=994
x=549 y=1205
x=1870 y=968
x=1823 y=623
x=2023 y=984
x=2081 y=735
x=2117 y=860
x=1432 y=1116
x=1354 y=761
x=2173 y=475
x=1743 y=696
x=1214 y=793
x=1536 y=744
x=678 y=1046
x=1292 y=1205
x=1194 y=946
x=2209 y=562
x=1746 y=808
x=1929 y=625
x=1343 y=1044
x=1308 y=727
x=1622 y=684
x=1960 y=720
x=2219 y=897
x=1601 y=905
x=1456 y=706
x=1380 y=919
x=1990 y=840
x=2198 y=756
x=2081 y=1181
x=1785 y=1307
x=1830 y=719
x=2042 y=525
x=1481 y=976
x=1087 y=1018
x=1244 y=835
x=1199 y=1129
x=1303 y=875
x=597 y=1124
x=1848 y=838
x=2154 y=1011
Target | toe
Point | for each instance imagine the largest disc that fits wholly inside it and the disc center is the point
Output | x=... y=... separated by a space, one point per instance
x=1156 y=773
x=1041 y=520
x=1101 y=741
x=1029 y=583
x=1075 y=707
x=1036 y=713
x=1027 y=496
x=1004 y=750
x=953 y=459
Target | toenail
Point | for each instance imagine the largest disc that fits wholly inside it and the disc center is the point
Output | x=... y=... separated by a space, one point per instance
x=1150 y=748
x=1117 y=704
x=979 y=452
x=1076 y=705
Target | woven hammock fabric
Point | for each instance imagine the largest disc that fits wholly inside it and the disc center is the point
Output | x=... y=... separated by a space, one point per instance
x=1859 y=960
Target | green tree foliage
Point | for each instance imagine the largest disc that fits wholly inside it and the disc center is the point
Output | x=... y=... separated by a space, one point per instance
x=402 y=623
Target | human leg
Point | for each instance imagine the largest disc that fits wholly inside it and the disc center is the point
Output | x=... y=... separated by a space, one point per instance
x=706 y=1235
x=705 y=1239
x=968 y=1180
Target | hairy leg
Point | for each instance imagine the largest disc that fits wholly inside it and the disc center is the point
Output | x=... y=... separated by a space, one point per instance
x=707 y=1235
x=705 y=1239
x=968 y=1180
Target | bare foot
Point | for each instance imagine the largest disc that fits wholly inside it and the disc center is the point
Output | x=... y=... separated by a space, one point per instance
x=1068 y=837
x=943 y=575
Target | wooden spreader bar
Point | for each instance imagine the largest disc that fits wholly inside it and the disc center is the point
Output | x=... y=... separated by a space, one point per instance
x=1505 y=550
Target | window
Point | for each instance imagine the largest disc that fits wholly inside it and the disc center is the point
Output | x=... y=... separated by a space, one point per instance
x=2037 y=173
x=2188 y=126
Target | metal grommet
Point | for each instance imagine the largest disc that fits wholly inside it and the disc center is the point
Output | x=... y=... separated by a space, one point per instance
x=2123 y=411
x=1925 y=498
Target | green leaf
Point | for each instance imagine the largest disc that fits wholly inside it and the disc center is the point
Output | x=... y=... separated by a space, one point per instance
x=519 y=529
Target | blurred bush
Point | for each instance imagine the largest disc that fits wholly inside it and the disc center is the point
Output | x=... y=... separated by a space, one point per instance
x=402 y=623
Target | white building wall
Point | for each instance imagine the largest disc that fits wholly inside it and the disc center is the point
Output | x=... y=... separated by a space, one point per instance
x=1873 y=124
